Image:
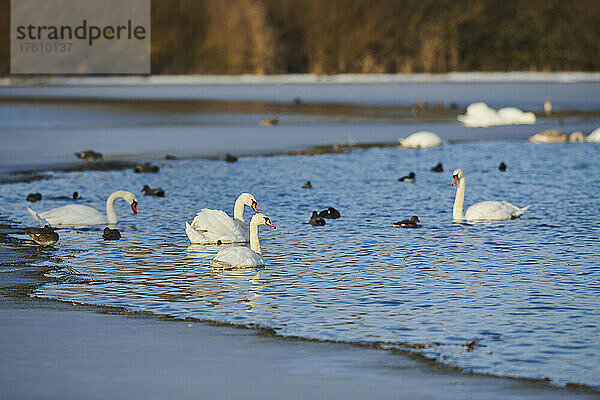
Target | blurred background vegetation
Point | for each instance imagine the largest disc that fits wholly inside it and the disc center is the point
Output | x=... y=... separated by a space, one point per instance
x=353 y=36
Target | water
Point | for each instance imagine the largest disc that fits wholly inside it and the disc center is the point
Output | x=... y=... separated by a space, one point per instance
x=526 y=289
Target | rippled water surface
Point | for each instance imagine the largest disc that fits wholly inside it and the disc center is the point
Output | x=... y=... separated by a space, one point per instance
x=526 y=289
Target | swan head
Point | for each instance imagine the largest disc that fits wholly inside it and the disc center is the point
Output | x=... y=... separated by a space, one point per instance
x=131 y=199
x=249 y=201
x=262 y=219
x=457 y=175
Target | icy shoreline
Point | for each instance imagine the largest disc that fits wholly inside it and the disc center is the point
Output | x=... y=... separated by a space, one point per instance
x=453 y=77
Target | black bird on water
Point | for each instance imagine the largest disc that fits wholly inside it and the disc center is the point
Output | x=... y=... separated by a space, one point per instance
x=408 y=178
x=315 y=220
x=438 y=168
x=407 y=223
x=331 y=213
x=111 y=234
x=158 y=192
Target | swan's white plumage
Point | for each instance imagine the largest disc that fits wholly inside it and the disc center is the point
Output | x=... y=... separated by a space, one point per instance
x=485 y=210
x=72 y=214
x=594 y=136
x=212 y=226
x=492 y=210
x=216 y=227
x=80 y=215
x=240 y=256
x=549 y=136
x=237 y=257
x=481 y=115
x=420 y=140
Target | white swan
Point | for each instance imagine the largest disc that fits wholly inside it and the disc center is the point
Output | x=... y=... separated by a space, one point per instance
x=554 y=136
x=80 y=215
x=215 y=226
x=241 y=256
x=486 y=210
x=420 y=140
x=481 y=115
x=594 y=136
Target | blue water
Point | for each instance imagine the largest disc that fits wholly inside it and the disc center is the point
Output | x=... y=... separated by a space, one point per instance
x=526 y=289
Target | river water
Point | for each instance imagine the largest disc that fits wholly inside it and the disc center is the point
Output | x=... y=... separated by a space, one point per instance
x=526 y=290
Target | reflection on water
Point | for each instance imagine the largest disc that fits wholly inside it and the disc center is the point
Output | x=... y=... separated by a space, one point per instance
x=526 y=289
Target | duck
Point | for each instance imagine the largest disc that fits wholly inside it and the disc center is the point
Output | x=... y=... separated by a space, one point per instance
x=230 y=158
x=89 y=155
x=485 y=210
x=307 y=185
x=408 y=178
x=158 y=192
x=241 y=256
x=216 y=227
x=74 y=196
x=315 y=220
x=269 y=122
x=408 y=223
x=111 y=234
x=45 y=236
x=170 y=157
x=502 y=166
x=438 y=168
x=80 y=215
x=419 y=140
x=330 y=213
x=146 y=167
x=33 y=197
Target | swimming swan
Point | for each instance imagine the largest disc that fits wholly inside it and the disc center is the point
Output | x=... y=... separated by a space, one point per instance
x=421 y=139
x=594 y=136
x=554 y=136
x=486 y=210
x=241 y=256
x=215 y=226
x=80 y=215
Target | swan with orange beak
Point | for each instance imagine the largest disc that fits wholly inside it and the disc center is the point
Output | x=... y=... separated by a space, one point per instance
x=216 y=227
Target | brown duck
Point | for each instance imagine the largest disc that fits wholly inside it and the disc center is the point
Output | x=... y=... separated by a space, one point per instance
x=44 y=236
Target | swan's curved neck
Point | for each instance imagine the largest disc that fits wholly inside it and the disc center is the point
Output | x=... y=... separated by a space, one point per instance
x=459 y=200
x=111 y=215
x=238 y=212
x=254 y=243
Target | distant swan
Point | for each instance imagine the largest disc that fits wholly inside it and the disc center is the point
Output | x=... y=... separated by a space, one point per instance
x=481 y=115
x=554 y=136
x=241 y=256
x=216 y=227
x=420 y=139
x=486 y=210
x=594 y=136
x=80 y=215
